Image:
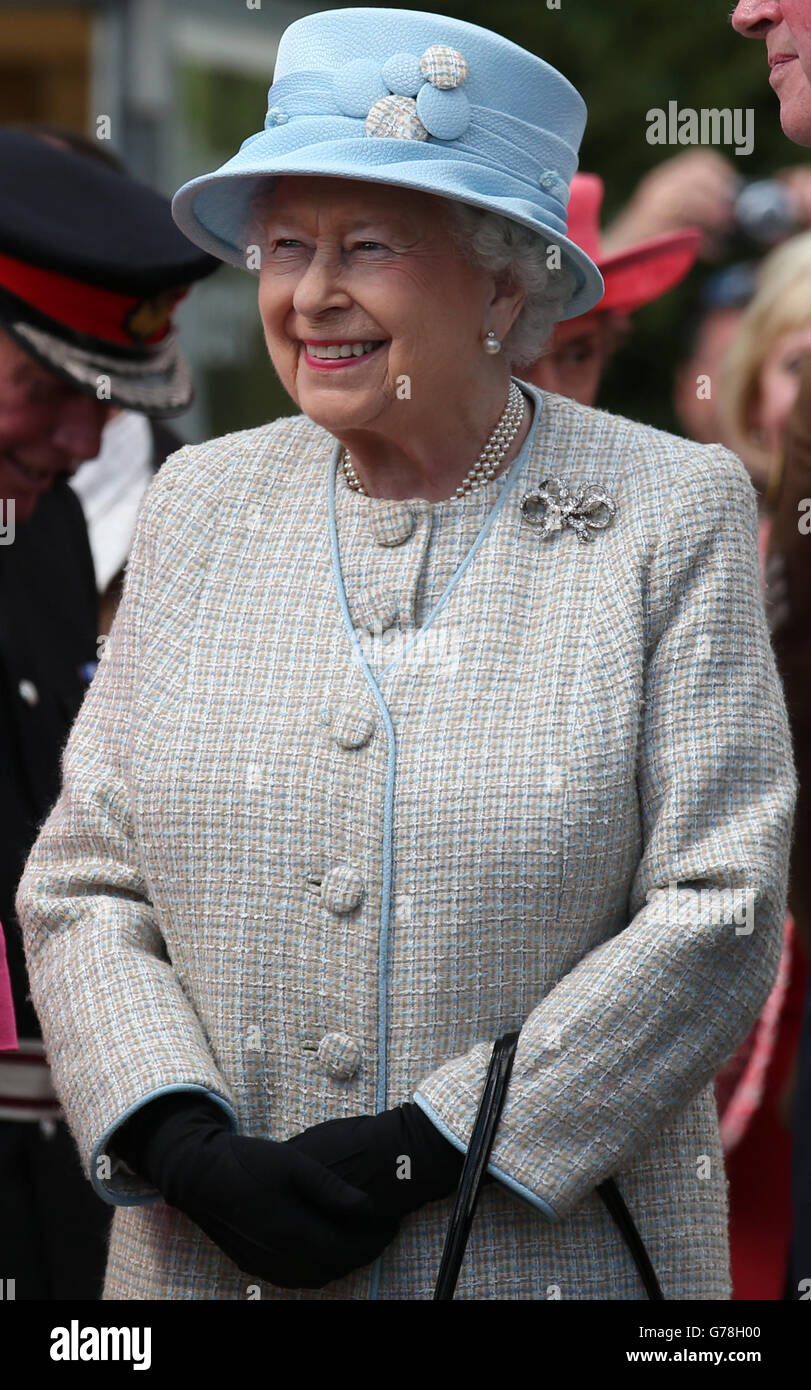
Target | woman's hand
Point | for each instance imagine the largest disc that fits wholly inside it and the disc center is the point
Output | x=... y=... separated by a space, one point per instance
x=399 y=1158
x=275 y=1211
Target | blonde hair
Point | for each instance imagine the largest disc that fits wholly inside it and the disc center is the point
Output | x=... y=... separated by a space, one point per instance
x=781 y=304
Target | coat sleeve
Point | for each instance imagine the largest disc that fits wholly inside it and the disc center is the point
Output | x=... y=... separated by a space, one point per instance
x=117 y=1025
x=623 y=1042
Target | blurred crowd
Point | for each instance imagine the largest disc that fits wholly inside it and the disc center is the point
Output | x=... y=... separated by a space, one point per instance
x=746 y=249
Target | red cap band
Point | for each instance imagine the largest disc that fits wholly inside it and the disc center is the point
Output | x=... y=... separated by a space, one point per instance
x=120 y=319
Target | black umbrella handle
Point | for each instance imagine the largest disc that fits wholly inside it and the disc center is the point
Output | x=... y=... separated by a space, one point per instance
x=475 y=1166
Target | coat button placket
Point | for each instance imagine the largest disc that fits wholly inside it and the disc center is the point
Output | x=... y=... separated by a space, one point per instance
x=376 y=566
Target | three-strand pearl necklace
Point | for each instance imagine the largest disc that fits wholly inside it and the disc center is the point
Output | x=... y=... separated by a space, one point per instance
x=489 y=459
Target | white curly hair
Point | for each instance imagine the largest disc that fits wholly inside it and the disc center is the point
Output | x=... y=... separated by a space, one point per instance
x=501 y=247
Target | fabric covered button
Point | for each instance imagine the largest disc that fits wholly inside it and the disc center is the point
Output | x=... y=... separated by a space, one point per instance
x=392 y=521
x=395 y=118
x=402 y=74
x=352 y=726
x=444 y=67
x=339 y=1055
x=357 y=85
x=376 y=609
x=342 y=888
x=445 y=115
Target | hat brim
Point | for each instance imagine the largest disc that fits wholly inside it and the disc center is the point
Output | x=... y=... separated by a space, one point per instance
x=158 y=385
x=648 y=270
x=214 y=210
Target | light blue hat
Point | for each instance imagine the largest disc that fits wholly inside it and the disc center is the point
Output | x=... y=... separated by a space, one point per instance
x=434 y=104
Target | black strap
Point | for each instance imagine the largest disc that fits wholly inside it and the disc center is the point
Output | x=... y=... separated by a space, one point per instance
x=475 y=1166
x=613 y=1199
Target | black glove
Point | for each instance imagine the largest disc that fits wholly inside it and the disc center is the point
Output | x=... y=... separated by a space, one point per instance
x=399 y=1158
x=275 y=1212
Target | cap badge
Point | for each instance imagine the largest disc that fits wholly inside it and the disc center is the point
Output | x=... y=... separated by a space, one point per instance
x=152 y=316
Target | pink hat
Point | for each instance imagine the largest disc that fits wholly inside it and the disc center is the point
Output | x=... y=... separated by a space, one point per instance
x=638 y=274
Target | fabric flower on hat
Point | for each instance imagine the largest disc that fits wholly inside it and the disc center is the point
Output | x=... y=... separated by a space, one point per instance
x=410 y=97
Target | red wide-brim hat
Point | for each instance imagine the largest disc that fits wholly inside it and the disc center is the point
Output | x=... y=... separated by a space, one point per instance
x=638 y=274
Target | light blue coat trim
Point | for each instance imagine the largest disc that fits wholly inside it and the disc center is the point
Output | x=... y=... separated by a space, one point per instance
x=388 y=817
x=130 y=1199
x=516 y=1187
x=511 y=478
x=388 y=807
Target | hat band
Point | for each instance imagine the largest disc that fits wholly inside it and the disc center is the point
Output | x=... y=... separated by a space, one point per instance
x=491 y=138
x=120 y=319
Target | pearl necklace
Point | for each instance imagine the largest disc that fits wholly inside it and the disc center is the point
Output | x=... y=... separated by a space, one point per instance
x=489 y=459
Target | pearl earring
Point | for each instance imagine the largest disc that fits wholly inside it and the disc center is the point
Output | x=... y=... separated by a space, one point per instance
x=491 y=343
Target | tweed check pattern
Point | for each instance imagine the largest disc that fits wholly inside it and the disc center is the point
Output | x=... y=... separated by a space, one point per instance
x=586 y=726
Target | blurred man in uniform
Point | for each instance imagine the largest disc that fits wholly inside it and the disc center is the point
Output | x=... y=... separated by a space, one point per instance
x=91 y=267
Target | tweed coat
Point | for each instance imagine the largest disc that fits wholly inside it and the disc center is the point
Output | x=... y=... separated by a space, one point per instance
x=330 y=823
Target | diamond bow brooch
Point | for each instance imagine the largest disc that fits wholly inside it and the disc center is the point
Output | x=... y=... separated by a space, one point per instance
x=585 y=507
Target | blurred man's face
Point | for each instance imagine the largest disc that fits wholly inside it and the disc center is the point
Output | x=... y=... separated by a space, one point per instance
x=47 y=427
x=576 y=356
x=785 y=26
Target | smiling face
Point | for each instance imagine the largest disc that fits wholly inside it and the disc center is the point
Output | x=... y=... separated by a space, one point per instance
x=785 y=26
x=46 y=428
x=364 y=294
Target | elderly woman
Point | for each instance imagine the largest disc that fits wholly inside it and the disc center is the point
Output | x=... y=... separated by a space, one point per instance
x=442 y=708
